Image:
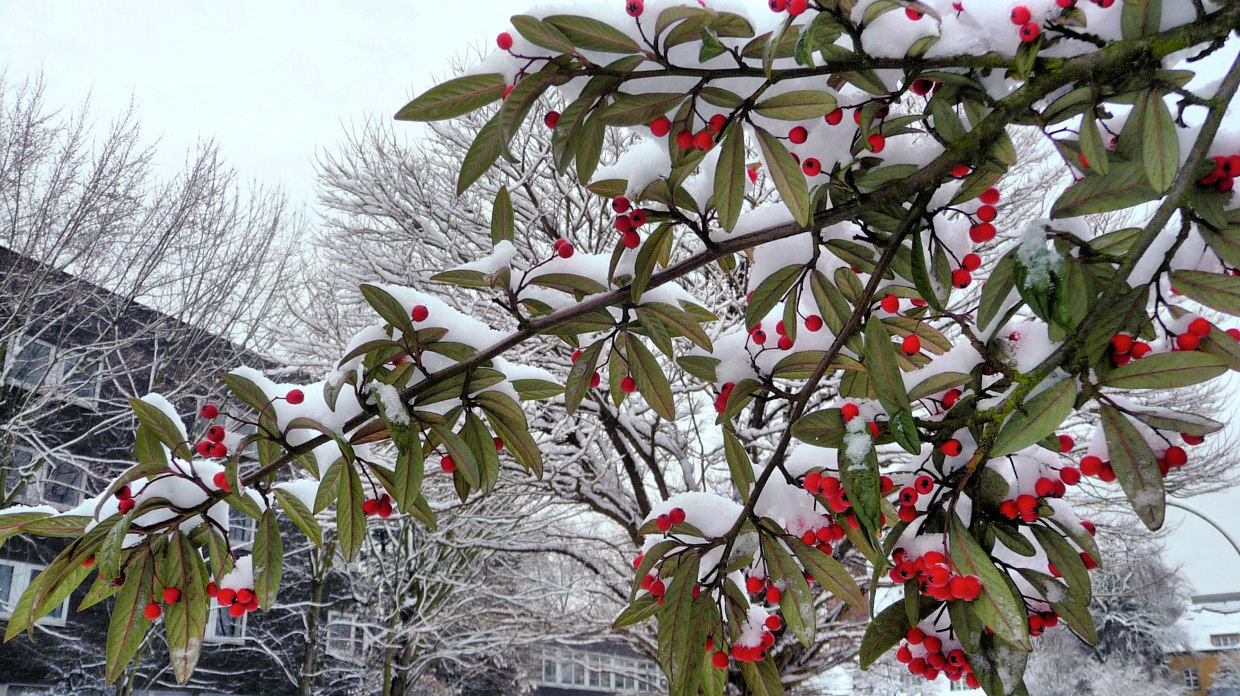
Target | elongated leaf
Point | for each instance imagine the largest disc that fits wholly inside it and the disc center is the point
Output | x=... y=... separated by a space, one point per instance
x=796 y=603
x=1140 y=18
x=162 y=426
x=822 y=428
x=798 y=105
x=880 y=360
x=502 y=226
x=579 y=376
x=738 y=462
x=300 y=515
x=1136 y=467
x=651 y=382
x=831 y=574
x=1038 y=417
x=787 y=175
x=1214 y=290
x=638 y=109
x=454 y=97
x=268 y=559
x=461 y=453
x=1160 y=151
x=185 y=622
x=129 y=624
x=1125 y=186
x=350 y=520
x=488 y=145
x=730 y=176
x=682 y=626
x=886 y=629
x=770 y=292
x=541 y=33
x=1166 y=371
x=593 y=35
x=998 y=607
x=1091 y=145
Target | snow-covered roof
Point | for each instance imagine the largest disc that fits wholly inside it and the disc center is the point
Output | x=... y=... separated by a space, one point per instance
x=1211 y=615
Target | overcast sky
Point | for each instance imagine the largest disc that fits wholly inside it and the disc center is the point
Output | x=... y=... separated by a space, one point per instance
x=273 y=81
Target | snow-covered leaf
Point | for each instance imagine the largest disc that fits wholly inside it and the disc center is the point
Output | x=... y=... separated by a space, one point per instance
x=1135 y=465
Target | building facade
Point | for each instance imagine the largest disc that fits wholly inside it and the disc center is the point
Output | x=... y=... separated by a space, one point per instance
x=1210 y=663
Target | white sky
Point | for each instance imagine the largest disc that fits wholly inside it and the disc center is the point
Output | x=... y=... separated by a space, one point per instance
x=273 y=82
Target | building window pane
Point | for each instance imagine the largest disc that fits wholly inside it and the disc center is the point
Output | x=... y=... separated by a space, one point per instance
x=346 y=636
x=228 y=626
x=6 y=587
x=1225 y=640
x=1192 y=679
x=61 y=484
x=240 y=527
x=31 y=364
x=549 y=671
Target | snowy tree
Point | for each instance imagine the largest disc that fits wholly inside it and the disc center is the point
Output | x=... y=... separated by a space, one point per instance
x=937 y=463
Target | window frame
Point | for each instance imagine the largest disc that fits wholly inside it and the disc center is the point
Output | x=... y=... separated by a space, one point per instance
x=57 y=374
x=356 y=624
x=1225 y=640
x=23 y=574
x=1192 y=678
x=213 y=634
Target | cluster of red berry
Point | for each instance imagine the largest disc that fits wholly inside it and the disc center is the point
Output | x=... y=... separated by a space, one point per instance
x=930 y=659
x=792 y=7
x=154 y=610
x=628 y=219
x=934 y=576
x=381 y=506
x=239 y=600
x=909 y=495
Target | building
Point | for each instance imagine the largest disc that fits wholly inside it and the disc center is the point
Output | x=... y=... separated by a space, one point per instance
x=71 y=355
x=1210 y=662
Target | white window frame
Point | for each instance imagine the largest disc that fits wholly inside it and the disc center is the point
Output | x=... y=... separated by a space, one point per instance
x=245 y=526
x=23 y=573
x=614 y=673
x=214 y=635
x=1192 y=678
x=357 y=627
x=960 y=685
x=1225 y=640
x=56 y=373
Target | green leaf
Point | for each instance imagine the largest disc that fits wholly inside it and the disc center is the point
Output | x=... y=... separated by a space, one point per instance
x=738 y=462
x=185 y=622
x=1125 y=186
x=762 y=678
x=798 y=105
x=454 y=97
x=129 y=624
x=821 y=428
x=647 y=258
x=1214 y=290
x=1166 y=371
x=831 y=574
x=1036 y=418
x=541 y=33
x=300 y=515
x=329 y=485
x=1135 y=465
x=638 y=109
x=787 y=175
x=161 y=425
x=1160 y=151
x=651 y=382
x=579 y=376
x=884 y=374
x=1177 y=421
x=268 y=559
x=460 y=452
x=636 y=612
x=1140 y=18
x=862 y=484
x=886 y=629
x=482 y=445
x=797 y=603
x=502 y=218
x=1091 y=145
x=683 y=625
x=770 y=292
x=388 y=307
x=1067 y=561
x=350 y=520
x=488 y=145
x=730 y=177
x=998 y=607
x=592 y=35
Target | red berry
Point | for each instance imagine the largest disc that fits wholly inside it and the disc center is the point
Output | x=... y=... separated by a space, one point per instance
x=1066 y=443
x=813 y=323
x=1192 y=439
x=236 y=611
x=890 y=304
x=960 y=171
x=295 y=396
x=1091 y=465
x=628 y=385
x=951 y=448
x=777 y=5
x=961 y=278
x=153 y=611
x=660 y=127
x=774 y=623
x=907 y=513
x=1188 y=341
x=798 y=135
x=1030 y=32
x=1199 y=327
x=676 y=515
x=635 y=7
x=986 y=213
x=797 y=7
x=982 y=232
x=911 y=344
x=876 y=142
x=88 y=561
x=219 y=450
x=226 y=596
x=950 y=397
x=595 y=379
x=758 y=336
x=631 y=239
x=849 y=412
x=221 y=481
x=716 y=123
x=1020 y=15
x=209 y=411
x=915 y=636
x=215 y=433
x=565 y=250
x=504 y=41
x=638 y=217
x=990 y=196
x=171 y=595
x=620 y=204
x=370 y=507
x=921 y=86
x=447 y=464
x=833 y=118
x=773 y=595
x=703 y=141
x=551 y=119
x=913 y=14
x=754 y=585
x=923 y=484
x=684 y=140
x=784 y=343
x=1175 y=456
x=719 y=660
x=204 y=448
x=811 y=167
x=971 y=262
x=420 y=313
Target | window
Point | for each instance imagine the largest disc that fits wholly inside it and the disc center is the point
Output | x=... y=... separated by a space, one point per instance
x=346 y=636
x=61 y=484
x=1191 y=678
x=223 y=627
x=19 y=461
x=31 y=364
x=15 y=577
x=240 y=527
x=1225 y=640
x=961 y=685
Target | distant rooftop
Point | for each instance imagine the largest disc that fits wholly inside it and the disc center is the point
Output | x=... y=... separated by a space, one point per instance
x=1212 y=623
